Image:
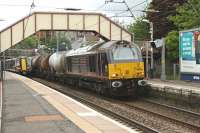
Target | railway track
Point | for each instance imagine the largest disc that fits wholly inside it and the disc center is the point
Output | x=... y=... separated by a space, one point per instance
x=126 y=121
x=173 y=108
x=174 y=120
x=122 y=117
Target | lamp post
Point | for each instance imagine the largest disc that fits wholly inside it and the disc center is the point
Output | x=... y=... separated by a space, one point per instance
x=151 y=40
x=152 y=58
x=57 y=40
x=147 y=50
x=163 y=72
x=147 y=60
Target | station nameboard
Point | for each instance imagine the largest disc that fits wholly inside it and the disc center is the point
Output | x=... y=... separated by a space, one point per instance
x=189 y=53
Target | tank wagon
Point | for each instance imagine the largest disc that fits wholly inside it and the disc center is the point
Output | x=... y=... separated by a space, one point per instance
x=44 y=64
x=36 y=63
x=57 y=63
x=112 y=68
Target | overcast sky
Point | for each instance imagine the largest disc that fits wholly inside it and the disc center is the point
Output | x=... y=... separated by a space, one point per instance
x=12 y=10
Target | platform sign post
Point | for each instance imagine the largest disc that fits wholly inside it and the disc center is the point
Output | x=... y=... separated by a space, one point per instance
x=163 y=72
x=147 y=61
x=1 y=72
x=189 y=54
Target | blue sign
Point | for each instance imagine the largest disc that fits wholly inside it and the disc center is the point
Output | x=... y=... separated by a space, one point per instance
x=186 y=45
x=193 y=77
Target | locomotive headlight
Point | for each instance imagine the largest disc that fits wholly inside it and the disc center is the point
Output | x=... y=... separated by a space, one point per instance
x=114 y=75
x=116 y=84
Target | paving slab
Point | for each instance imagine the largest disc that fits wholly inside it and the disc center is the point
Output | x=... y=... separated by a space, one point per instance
x=24 y=111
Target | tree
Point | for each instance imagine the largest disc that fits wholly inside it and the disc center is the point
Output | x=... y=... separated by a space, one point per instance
x=49 y=40
x=28 y=43
x=162 y=25
x=172 y=41
x=140 y=30
x=187 y=16
x=52 y=43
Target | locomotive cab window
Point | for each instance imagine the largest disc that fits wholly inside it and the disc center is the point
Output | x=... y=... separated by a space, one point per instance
x=124 y=52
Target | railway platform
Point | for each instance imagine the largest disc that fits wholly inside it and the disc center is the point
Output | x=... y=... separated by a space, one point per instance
x=31 y=107
x=176 y=86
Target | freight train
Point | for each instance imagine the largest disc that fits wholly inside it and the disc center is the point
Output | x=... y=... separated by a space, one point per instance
x=113 y=68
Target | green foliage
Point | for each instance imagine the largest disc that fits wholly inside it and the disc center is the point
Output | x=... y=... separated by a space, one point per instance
x=162 y=25
x=140 y=30
x=47 y=43
x=52 y=43
x=187 y=16
x=66 y=42
x=172 y=43
x=28 y=43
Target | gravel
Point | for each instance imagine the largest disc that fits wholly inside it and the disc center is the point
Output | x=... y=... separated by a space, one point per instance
x=158 y=123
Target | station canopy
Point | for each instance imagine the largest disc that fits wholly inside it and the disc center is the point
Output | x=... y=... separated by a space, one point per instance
x=62 y=21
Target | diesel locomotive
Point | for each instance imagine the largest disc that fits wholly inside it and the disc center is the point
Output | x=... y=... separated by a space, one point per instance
x=111 y=68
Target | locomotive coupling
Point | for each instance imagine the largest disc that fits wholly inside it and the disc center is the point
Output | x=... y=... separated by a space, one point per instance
x=142 y=82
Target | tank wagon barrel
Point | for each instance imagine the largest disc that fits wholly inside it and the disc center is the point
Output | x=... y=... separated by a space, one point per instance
x=44 y=64
x=57 y=63
x=35 y=62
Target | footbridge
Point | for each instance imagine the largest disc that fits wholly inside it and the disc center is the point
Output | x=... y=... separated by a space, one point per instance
x=62 y=21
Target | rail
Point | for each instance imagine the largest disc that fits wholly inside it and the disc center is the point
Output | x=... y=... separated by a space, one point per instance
x=196 y=127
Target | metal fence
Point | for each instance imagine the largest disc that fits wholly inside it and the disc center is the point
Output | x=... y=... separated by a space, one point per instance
x=172 y=71
x=188 y=96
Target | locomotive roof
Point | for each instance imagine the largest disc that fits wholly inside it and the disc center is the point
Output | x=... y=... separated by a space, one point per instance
x=91 y=48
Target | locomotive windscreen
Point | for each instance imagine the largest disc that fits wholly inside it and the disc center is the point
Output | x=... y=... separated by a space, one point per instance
x=123 y=52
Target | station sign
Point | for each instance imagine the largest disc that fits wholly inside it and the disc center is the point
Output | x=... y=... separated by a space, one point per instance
x=189 y=53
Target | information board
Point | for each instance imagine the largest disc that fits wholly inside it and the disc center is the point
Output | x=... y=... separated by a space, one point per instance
x=189 y=52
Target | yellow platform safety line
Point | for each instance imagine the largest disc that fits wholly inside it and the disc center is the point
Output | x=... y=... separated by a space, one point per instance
x=81 y=123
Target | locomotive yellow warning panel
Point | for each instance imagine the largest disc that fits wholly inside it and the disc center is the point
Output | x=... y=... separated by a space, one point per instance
x=23 y=64
x=126 y=70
